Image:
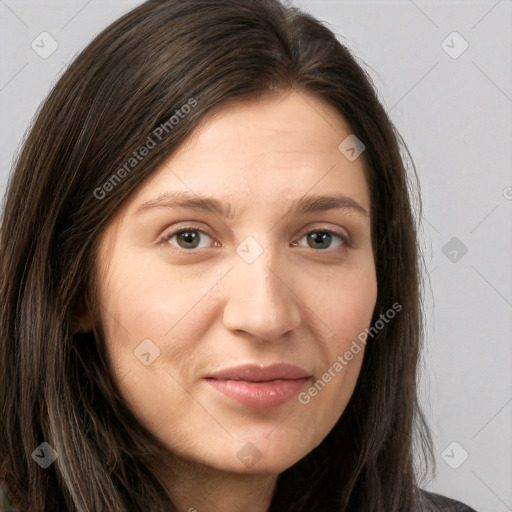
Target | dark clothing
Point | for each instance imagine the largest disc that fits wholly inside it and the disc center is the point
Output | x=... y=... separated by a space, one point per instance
x=431 y=502
x=437 y=503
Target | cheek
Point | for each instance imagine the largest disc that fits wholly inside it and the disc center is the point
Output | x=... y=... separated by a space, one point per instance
x=149 y=302
x=347 y=309
x=347 y=306
x=149 y=318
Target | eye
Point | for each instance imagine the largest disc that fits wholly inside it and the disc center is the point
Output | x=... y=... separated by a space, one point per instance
x=322 y=239
x=187 y=238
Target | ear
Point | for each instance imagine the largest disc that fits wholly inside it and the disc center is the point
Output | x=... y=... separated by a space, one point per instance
x=80 y=318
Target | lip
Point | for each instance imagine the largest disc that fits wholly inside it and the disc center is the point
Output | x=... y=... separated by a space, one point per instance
x=258 y=385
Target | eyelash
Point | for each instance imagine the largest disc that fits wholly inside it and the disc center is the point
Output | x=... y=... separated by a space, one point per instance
x=165 y=240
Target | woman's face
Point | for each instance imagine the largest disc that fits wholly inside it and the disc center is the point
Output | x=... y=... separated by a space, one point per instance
x=218 y=334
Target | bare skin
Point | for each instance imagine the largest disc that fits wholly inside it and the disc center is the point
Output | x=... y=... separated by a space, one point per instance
x=302 y=299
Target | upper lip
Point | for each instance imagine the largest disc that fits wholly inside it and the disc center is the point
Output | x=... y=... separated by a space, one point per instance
x=261 y=373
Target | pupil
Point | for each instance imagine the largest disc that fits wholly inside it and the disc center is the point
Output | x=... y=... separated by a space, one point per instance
x=189 y=237
x=322 y=238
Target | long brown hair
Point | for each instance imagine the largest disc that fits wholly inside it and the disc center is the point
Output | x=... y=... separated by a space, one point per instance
x=67 y=184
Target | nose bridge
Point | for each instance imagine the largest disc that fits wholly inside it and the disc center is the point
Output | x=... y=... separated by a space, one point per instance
x=259 y=299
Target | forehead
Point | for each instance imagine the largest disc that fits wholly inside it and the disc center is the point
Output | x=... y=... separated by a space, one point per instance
x=295 y=124
x=266 y=150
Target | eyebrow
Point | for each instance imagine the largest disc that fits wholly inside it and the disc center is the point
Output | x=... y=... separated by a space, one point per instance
x=306 y=204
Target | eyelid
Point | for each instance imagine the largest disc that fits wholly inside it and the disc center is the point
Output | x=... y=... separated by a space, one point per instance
x=346 y=239
x=335 y=231
x=167 y=236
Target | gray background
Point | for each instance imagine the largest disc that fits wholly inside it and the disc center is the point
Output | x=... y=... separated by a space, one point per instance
x=455 y=114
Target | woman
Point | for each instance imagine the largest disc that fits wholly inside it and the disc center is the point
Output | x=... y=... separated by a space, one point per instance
x=173 y=336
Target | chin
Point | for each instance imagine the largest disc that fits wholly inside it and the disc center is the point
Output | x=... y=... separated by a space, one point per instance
x=262 y=454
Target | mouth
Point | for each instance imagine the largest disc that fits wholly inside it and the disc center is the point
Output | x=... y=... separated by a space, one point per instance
x=260 y=386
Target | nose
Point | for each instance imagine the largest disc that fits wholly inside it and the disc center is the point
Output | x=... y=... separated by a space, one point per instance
x=261 y=299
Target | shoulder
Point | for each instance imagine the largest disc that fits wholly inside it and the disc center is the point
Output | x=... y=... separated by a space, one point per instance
x=436 y=503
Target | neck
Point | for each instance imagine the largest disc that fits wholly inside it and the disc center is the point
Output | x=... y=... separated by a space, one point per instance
x=198 y=488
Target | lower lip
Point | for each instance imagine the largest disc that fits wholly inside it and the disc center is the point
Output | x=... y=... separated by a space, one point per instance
x=259 y=394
